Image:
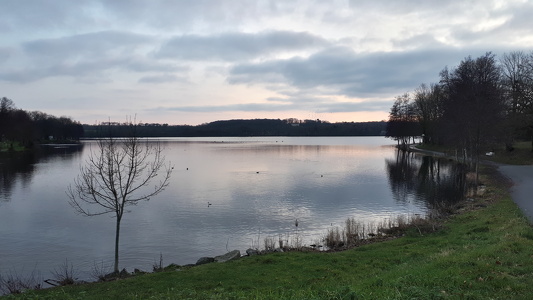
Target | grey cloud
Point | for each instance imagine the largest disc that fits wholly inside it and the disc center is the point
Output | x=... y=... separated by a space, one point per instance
x=321 y=105
x=85 y=69
x=94 y=44
x=85 y=55
x=44 y=15
x=342 y=71
x=171 y=15
x=48 y=16
x=521 y=17
x=5 y=53
x=248 y=107
x=375 y=105
x=215 y=16
x=411 y=6
x=79 y=70
x=517 y=26
x=160 y=79
x=328 y=105
x=140 y=64
x=425 y=40
x=298 y=99
x=181 y=14
x=238 y=46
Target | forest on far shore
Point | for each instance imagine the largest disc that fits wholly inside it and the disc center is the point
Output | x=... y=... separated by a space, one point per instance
x=20 y=128
x=254 y=127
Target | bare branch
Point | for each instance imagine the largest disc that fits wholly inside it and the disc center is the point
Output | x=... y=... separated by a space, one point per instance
x=117 y=175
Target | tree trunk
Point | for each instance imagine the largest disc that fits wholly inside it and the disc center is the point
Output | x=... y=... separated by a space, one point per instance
x=531 y=139
x=117 y=235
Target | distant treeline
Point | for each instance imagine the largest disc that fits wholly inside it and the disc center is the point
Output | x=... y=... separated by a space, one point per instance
x=25 y=128
x=255 y=127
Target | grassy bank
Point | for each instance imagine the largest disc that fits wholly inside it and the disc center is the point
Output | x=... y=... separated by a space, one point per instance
x=484 y=252
x=11 y=146
x=520 y=155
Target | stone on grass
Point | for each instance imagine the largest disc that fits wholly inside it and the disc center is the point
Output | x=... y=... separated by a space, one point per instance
x=232 y=255
x=252 y=252
x=205 y=260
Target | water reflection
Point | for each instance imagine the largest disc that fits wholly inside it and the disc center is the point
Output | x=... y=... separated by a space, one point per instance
x=257 y=186
x=426 y=179
x=19 y=167
x=14 y=167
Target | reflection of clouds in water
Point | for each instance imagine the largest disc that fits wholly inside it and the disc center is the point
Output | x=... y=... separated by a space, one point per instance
x=318 y=185
x=262 y=188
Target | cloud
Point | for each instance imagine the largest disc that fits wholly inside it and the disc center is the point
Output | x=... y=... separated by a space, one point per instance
x=5 y=53
x=292 y=103
x=238 y=46
x=342 y=71
x=165 y=78
x=86 y=55
x=142 y=64
x=246 y=107
x=511 y=24
x=424 y=41
x=88 y=45
x=300 y=56
x=43 y=15
x=322 y=107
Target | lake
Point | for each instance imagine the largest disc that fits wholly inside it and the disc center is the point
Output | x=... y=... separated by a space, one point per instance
x=257 y=186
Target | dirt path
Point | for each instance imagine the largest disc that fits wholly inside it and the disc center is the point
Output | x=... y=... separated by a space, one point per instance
x=522 y=190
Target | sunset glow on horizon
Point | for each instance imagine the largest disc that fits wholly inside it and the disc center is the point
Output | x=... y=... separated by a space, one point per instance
x=182 y=62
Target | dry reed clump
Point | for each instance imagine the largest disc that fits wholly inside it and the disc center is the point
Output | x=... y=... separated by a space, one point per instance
x=357 y=233
x=270 y=243
x=354 y=233
x=287 y=242
x=63 y=275
x=15 y=283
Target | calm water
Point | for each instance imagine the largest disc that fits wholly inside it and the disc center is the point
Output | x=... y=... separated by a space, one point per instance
x=258 y=187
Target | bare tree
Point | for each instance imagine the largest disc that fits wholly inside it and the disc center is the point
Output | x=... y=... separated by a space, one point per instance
x=118 y=175
x=428 y=103
x=517 y=81
x=403 y=124
x=474 y=106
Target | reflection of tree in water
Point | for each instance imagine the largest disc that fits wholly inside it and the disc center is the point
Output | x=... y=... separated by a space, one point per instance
x=19 y=167
x=15 y=167
x=425 y=179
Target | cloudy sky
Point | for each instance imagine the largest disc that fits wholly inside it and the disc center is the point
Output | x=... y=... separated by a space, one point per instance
x=190 y=62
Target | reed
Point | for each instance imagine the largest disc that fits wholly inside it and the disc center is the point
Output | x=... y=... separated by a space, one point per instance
x=355 y=233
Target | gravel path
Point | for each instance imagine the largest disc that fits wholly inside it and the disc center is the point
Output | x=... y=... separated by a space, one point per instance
x=522 y=190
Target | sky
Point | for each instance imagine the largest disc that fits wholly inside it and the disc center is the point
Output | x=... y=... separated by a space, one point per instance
x=192 y=62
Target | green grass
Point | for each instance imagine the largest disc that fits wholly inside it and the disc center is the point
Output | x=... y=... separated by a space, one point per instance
x=484 y=252
x=437 y=148
x=521 y=155
x=11 y=146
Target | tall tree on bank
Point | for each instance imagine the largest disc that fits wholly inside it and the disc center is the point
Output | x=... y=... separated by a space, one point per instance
x=403 y=124
x=517 y=82
x=118 y=174
x=474 y=109
x=428 y=101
